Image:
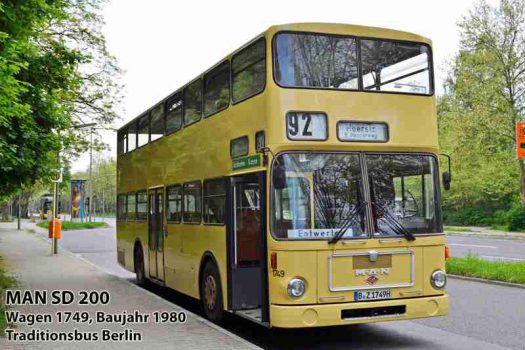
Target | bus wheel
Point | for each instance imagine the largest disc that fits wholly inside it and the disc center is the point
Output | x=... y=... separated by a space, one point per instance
x=139 y=267
x=211 y=293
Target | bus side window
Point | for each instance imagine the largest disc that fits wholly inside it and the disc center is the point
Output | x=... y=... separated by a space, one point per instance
x=142 y=205
x=121 y=207
x=132 y=136
x=122 y=142
x=174 y=113
x=214 y=201
x=192 y=206
x=193 y=102
x=157 y=122
x=174 y=204
x=249 y=71
x=131 y=206
x=143 y=130
x=217 y=89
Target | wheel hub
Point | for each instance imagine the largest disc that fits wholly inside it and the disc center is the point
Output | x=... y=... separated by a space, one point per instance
x=210 y=292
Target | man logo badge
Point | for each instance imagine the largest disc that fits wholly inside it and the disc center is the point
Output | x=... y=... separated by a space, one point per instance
x=372 y=279
x=372 y=272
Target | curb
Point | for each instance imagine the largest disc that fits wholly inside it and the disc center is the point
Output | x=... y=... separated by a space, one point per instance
x=482 y=235
x=483 y=280
x=145 y=291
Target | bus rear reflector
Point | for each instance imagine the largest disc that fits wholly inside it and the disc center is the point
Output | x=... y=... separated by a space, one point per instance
x=273 y=260
x=447 y=253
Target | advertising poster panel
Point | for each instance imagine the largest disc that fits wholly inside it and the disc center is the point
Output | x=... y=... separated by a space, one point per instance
x=77 y=199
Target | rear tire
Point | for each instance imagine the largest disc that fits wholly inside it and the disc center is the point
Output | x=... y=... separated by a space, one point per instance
x=211 y=293
x=139 y=267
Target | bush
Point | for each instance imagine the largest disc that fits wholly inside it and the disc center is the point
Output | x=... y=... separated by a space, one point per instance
x=473 y=216
x=512 y=219
x=515 y=218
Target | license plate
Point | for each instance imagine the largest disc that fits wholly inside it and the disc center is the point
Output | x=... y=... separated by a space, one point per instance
x=377 y=294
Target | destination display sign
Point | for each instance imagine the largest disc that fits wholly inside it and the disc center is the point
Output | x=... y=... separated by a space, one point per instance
x=362 y=131
x=306 y=126
x=317 y=233
x=246 y=162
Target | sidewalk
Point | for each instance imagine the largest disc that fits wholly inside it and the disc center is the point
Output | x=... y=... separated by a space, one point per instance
x=478 y=231
x=28 y=257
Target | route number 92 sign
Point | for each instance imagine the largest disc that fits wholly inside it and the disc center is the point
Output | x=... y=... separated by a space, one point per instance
x=306 y=126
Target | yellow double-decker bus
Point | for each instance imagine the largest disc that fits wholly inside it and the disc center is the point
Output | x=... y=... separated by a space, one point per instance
x=295 y=183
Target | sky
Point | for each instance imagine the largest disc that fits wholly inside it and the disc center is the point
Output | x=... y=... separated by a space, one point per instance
x=163 y=44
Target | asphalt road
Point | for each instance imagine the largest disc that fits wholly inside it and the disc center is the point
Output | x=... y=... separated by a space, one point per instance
x=487 y=248
x=482 y=316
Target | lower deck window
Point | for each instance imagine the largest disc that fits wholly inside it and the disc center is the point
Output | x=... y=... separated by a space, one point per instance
x=192 y=202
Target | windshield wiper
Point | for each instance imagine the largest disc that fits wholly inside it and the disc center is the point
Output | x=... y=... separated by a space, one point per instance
x=352 y=217
x=393 y=223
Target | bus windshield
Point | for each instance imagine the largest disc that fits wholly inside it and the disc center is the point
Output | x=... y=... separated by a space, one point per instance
x=331 y=62
x=323 y=190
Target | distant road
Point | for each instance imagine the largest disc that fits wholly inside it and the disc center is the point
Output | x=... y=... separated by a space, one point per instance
x=487 y=248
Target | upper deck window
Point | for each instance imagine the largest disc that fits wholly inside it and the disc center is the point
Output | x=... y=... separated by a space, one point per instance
x=316 y=60
x=217 y=89
x=395 y=66
x=327 y=61
x=143 y=131
x=174 y=113
x=122 y=142
x=248 y=71
x=193 y=102
x=157 y=122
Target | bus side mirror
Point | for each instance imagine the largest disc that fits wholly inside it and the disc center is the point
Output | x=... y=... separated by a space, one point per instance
x=279 y=177
x=446 y=180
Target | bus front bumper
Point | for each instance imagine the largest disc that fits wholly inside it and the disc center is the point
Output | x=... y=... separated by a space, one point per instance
x=321 y=315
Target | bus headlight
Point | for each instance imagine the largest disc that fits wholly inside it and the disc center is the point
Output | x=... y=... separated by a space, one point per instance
x=296 y=288
x=438 y=279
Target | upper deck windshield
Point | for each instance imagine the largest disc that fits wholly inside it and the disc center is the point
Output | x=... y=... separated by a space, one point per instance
x=332 y=62
x=324 y=191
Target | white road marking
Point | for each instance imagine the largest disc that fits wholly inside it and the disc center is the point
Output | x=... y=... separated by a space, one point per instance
x=500 y=258
x=473 y=245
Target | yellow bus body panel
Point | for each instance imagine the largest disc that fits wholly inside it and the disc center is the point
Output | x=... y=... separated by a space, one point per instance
x=202 y=151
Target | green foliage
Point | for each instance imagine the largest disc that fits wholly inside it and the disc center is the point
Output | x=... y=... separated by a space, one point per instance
x=512 y=219
x=68 y=225
x=55 y=72
x=472 y=266
x=468 y=216
x=478 y=112
x=515 y=218
x=6 y=281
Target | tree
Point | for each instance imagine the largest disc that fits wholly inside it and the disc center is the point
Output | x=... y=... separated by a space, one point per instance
x=483 y=101
x=55 y=72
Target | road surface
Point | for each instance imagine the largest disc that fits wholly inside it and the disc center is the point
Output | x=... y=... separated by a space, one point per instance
x=487 y=248
x=482 y=316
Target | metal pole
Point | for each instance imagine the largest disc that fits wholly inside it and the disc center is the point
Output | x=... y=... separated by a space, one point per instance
x=55 y=214
x=90 y=171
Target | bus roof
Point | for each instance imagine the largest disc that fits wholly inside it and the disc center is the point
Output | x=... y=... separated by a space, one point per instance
x=313 y=27
x=350 y=29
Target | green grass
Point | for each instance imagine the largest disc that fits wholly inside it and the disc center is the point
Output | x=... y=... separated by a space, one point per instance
x=6 y=282
x=68 y=225
x=472 y=266
x=457 y=229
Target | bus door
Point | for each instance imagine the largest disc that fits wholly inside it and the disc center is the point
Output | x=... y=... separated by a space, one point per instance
x=246 y=243
x=156 y=233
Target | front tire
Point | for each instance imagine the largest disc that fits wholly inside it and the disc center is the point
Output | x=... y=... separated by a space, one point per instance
x=211 y=293
x=139 y=267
